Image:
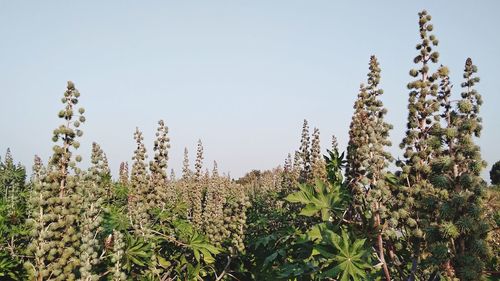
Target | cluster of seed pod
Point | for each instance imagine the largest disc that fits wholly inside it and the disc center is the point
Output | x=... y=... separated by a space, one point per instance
x=93 y=189
x=117 y=256
x=305 y=154
x=197 y=190
x=308 y=162
x=138 y=206
x=123 y=174
x=224 y=213
x=217 y=206
x=55 y=213
x=158 y=167
x=289 y=179
x=213 y=211
x=318 y=168
x=235 y=208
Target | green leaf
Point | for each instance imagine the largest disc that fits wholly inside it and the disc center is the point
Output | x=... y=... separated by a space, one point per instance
x=309 y=210
x=138 y=252
x=323 y=198
x=163 y=262
x=196 y=255
x=349 y=259
x=199 y=244
x=270 y=259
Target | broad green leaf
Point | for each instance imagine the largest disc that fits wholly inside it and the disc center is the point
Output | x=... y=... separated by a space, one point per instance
x=309 y=210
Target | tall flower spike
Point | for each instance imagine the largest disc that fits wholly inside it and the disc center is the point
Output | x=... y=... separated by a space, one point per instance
x=199 y=162
x=158 y=168
x=288 y=180
x=421 y=144
x=317 y=162
x=305 y=154
x=68 y=132
x=172 y=175
x=196 y=194
x=215 y=171
x=335 y=144
x=297 y=165
x=139 y=187
x=123 y=174
x=37 y=169
x=55 y=202
x=94 y=192
x=186 y=171
x=367 y=160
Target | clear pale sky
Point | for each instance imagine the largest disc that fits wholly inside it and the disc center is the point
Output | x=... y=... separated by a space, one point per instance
x=240 y=75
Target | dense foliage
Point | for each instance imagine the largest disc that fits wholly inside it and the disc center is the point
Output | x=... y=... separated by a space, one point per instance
x=331 y=217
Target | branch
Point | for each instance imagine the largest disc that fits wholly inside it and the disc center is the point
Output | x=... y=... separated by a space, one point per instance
x=224 y=271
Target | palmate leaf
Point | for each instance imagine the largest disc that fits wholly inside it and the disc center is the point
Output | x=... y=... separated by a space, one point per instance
x=350 y=260
x=334 y=163
x=115 y=218
x=304 y=196
x=200 y=245
x=311 y=209
x=137 y=253
x=322 y=198
x=315 y=233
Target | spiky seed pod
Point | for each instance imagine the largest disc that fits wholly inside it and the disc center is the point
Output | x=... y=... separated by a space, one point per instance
x=173 y=178
x=196 y=203
x=270 y=180
x=37 y=176
x=215 y=171
x=117 y=255
x=213 y=211
x=123 y=174
x=139 y=187
x=296 y=168
x=305 y=155
x=186 y=171
x=197 y=189
x=288 y=166
x=420 y=144
x=99 y=169
x=8 y=157
x=158 y=167
x=105 y=164
x=235 y=208
x=335 y=144
x=198 y=165
x=94 y=190
x=56 y=204
x=37 y=169
x=367 y=160
x=206 y=177
x=288 y=180
x=317 y=161
x=456 y=176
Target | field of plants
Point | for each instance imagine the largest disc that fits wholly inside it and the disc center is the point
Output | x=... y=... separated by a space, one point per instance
x=324 y=214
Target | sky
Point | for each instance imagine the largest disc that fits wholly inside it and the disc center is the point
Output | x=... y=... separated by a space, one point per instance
x=239 y=75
